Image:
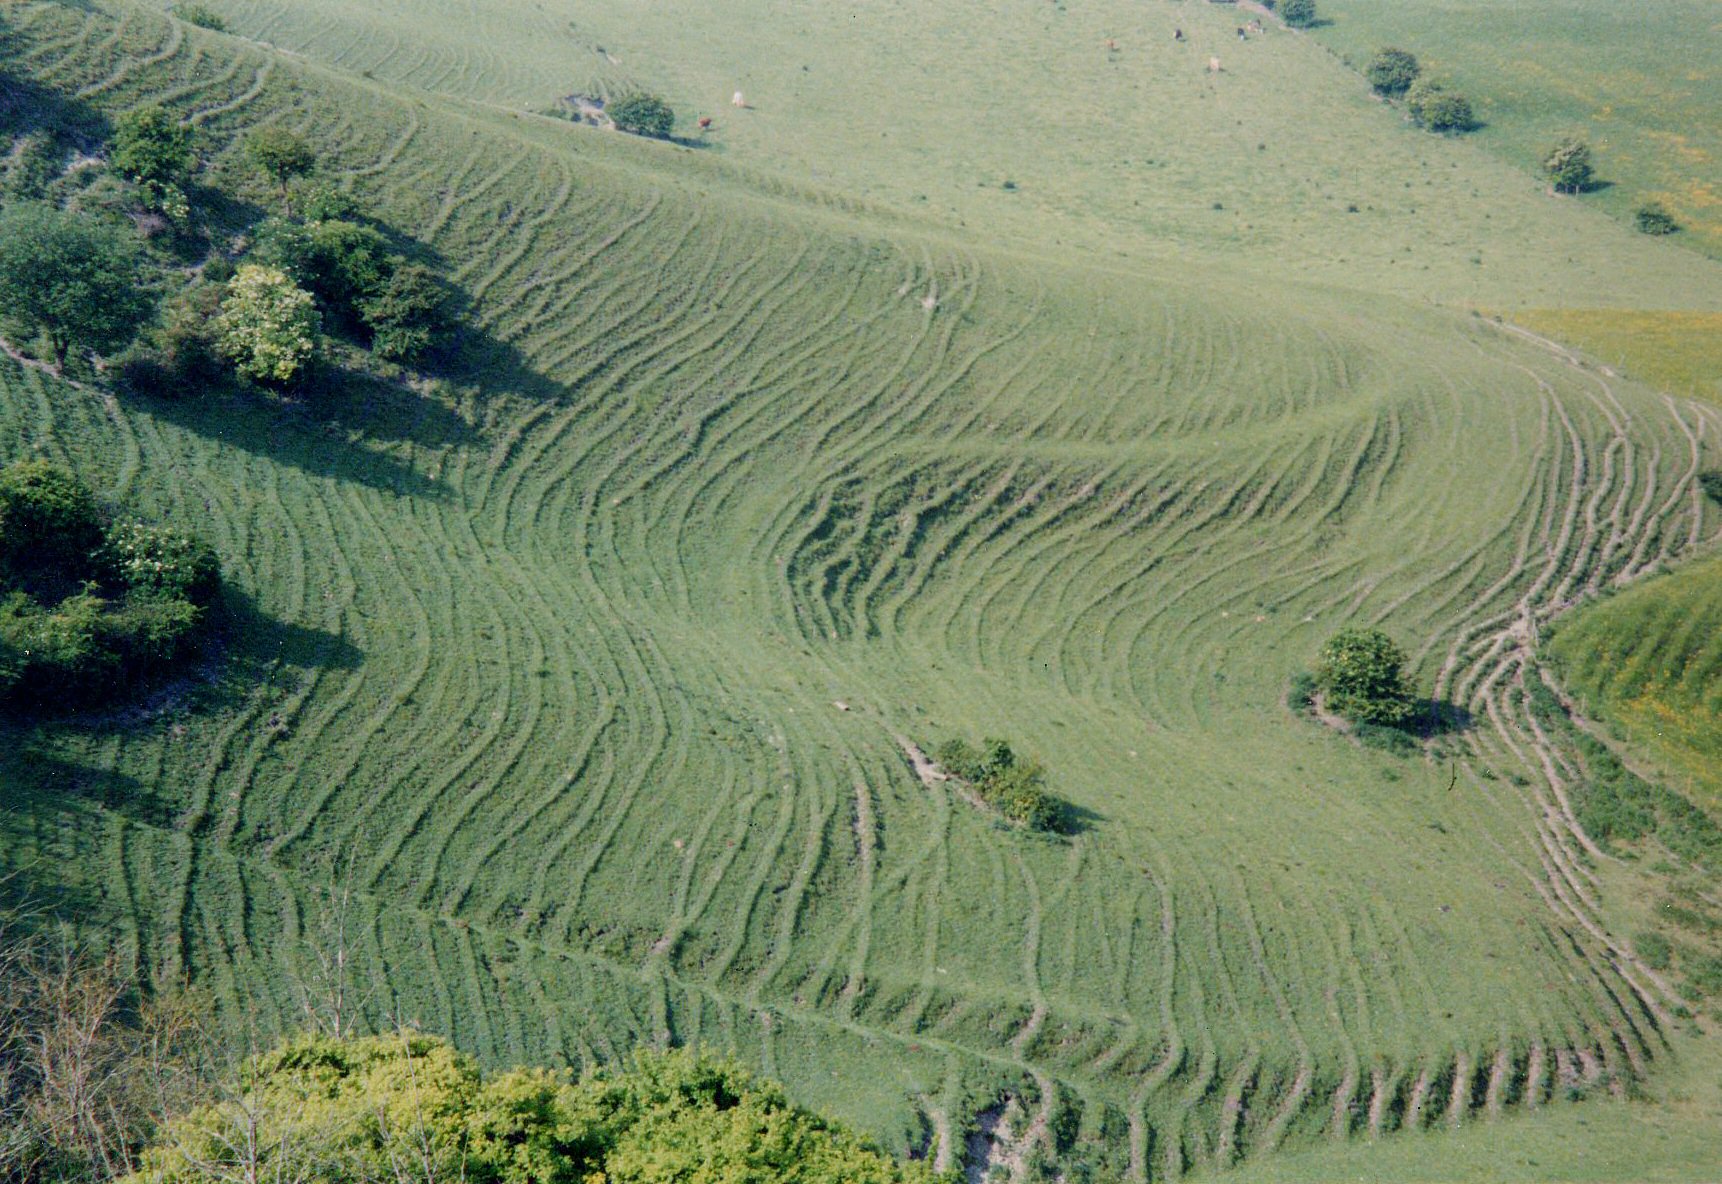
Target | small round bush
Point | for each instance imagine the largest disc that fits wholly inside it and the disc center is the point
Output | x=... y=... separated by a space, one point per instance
x=1299 y=14
x=1439 y=109
x=1392 y=71
x=158 y=562
x=49 y=522
x=1653 y=218
x=643 y=115
x=267 y=326
x=1361 y=676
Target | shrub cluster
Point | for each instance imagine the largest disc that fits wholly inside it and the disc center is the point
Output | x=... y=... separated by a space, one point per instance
x=384 y=1108
x=400 y=306
x=642 y=115
x=1568 y=165
x=87 y=604
x=1014 y=786
x=1392 y=71
x=1653 y=218
x=1440 y=110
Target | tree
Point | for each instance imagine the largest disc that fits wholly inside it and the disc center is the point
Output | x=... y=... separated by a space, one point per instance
x=409 y=315
x=1437 y=108
x=69 y=277
x=1299 y=14
x=49 y=522
x=1392 y=71
x=267 y=326
x=1653 y=218
x=281 y=154
x=643 y=115
x=1361 y=676
x=1568 y=165
x=152 y=149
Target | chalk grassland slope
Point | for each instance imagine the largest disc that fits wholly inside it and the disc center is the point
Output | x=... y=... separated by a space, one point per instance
x=1650 y=658
x=1678 y=352
x=1642 y=82
x=554 y=662
x=1135 y=153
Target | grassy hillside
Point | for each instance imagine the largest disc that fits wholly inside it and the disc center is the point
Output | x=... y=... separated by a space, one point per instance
x=1641 y=83
x=596 y=660
x=1126 y=154
x=1650 y=659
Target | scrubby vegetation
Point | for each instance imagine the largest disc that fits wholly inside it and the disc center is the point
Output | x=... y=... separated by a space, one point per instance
x=642 y=115
x=90 y=605
x=1653 y=218
x=408 y=1106
x=1392 y=71
x=1013 y=785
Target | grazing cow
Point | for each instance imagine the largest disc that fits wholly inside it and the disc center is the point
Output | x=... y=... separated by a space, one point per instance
x=737 y=101
x=1213 y=65
x=705 y=123
x=1177 y=34
x=1254 y=26
x=1111 y=45
x=1243 y=34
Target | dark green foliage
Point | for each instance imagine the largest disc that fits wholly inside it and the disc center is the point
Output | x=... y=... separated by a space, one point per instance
x=1439 y=109
x=151 y=148
x=34 y=165
x=281 y=154
x=88 y=608
x=1653 y=218
x=49 y=524
x=1392 y=71
x=349 y=264
x=1005 y=781
x=1710 y=482
x=1360 y=674
x=1297 y=13
x=201 y=15
x=69 y=277
x=1392 y=740
x=357 y=1110
x=159 y=562
x=1301 y=693
x=319 y=201
x=409 y=315
x=643 y=115
x=1568 y=165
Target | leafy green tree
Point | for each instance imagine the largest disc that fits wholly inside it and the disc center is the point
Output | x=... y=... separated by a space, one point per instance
x=1361 y=676
x=281 y=154
x=1439 y=109
x=1299 y=14
x=409 y=315
x=643 y=115
x=1653 y=218
x=49 y=522
x=1392 y=71
x=153 y=150
x=69 y=277
x=1568 y=165
x=267 y=326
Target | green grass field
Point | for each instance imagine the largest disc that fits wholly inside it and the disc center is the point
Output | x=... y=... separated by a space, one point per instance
x=596 y=659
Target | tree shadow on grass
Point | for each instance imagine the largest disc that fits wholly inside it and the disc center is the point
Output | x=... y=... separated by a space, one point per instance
x=1076 y=820
x=299 y=437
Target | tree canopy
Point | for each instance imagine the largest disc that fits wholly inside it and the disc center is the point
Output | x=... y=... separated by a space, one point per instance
x=1439 y=109
x=281 y=154
x=268 y=325
x=69 y=277
x=1361 y=676
x=1568 y=165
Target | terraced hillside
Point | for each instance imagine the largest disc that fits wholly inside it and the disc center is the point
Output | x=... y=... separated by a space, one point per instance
x=599 y=669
